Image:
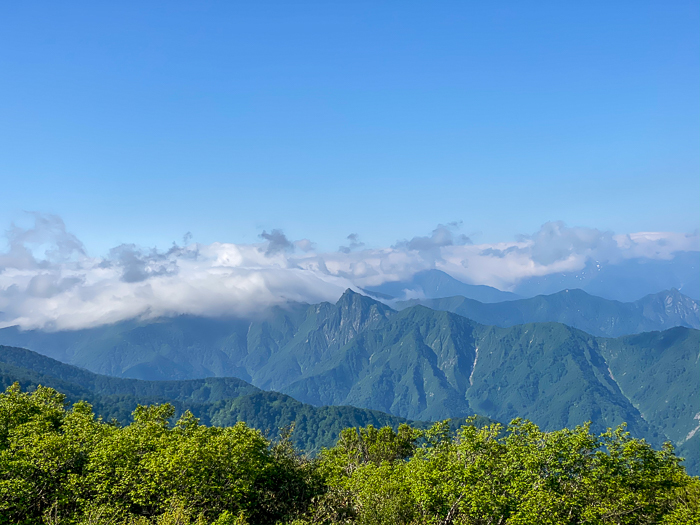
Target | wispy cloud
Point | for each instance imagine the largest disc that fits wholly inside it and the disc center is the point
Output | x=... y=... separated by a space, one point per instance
x=443 y=235
x=48 y=281
x=354 y=244
x=276 y=242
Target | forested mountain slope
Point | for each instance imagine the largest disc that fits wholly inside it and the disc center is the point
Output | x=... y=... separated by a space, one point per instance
x=207 y=390
x=659 y=373
x=430 y=365
x=217 y=401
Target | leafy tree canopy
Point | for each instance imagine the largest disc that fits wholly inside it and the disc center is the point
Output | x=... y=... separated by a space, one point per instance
x=62 y=465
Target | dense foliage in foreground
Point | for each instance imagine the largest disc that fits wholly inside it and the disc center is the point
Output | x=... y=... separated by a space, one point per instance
x=61 y=465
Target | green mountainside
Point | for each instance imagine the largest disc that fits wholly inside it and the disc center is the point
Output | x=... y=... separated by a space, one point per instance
x=658 y=372
x=431 y=365
x=593 y=315
x=418 y=364
x=216 y=401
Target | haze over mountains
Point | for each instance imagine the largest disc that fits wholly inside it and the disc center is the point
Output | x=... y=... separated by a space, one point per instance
x=436 y=283
x=626 y=280
x=594 y=315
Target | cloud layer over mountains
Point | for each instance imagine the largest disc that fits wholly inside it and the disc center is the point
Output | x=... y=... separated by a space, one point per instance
x=48 y=280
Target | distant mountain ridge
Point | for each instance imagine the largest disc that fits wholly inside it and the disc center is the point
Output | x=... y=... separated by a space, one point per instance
x=593 y=315
x=627 y=281
x=435 y=284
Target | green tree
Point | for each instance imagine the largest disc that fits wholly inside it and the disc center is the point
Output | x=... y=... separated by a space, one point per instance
x=517 y=475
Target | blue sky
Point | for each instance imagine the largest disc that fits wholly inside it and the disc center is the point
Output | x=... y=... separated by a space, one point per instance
x=138 y=122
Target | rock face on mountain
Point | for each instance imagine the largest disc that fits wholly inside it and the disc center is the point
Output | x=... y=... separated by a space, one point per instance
x=593 y=315
x=668 y=308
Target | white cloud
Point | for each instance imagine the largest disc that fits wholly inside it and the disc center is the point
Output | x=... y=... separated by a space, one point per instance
x=48 y=281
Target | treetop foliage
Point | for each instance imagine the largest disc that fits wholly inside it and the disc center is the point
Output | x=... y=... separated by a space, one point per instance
x=62 y=465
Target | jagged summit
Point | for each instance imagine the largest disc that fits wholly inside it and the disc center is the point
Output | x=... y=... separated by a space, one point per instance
x=347 y=294
x=351 y=300
x=356 y=312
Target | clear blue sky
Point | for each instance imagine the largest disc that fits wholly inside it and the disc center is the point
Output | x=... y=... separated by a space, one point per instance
x=140 y=121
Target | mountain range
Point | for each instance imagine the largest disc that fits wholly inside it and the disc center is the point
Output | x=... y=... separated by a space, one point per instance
x=626 y=280
x=435 y=284
x=418 y=363
x=594 y=315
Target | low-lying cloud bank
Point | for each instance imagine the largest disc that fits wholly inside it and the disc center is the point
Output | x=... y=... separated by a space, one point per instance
x=48 y=281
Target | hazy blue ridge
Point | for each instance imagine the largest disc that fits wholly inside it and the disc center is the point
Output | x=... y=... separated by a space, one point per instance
x=435 y=284
x=594 y=315
x=626 y=280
